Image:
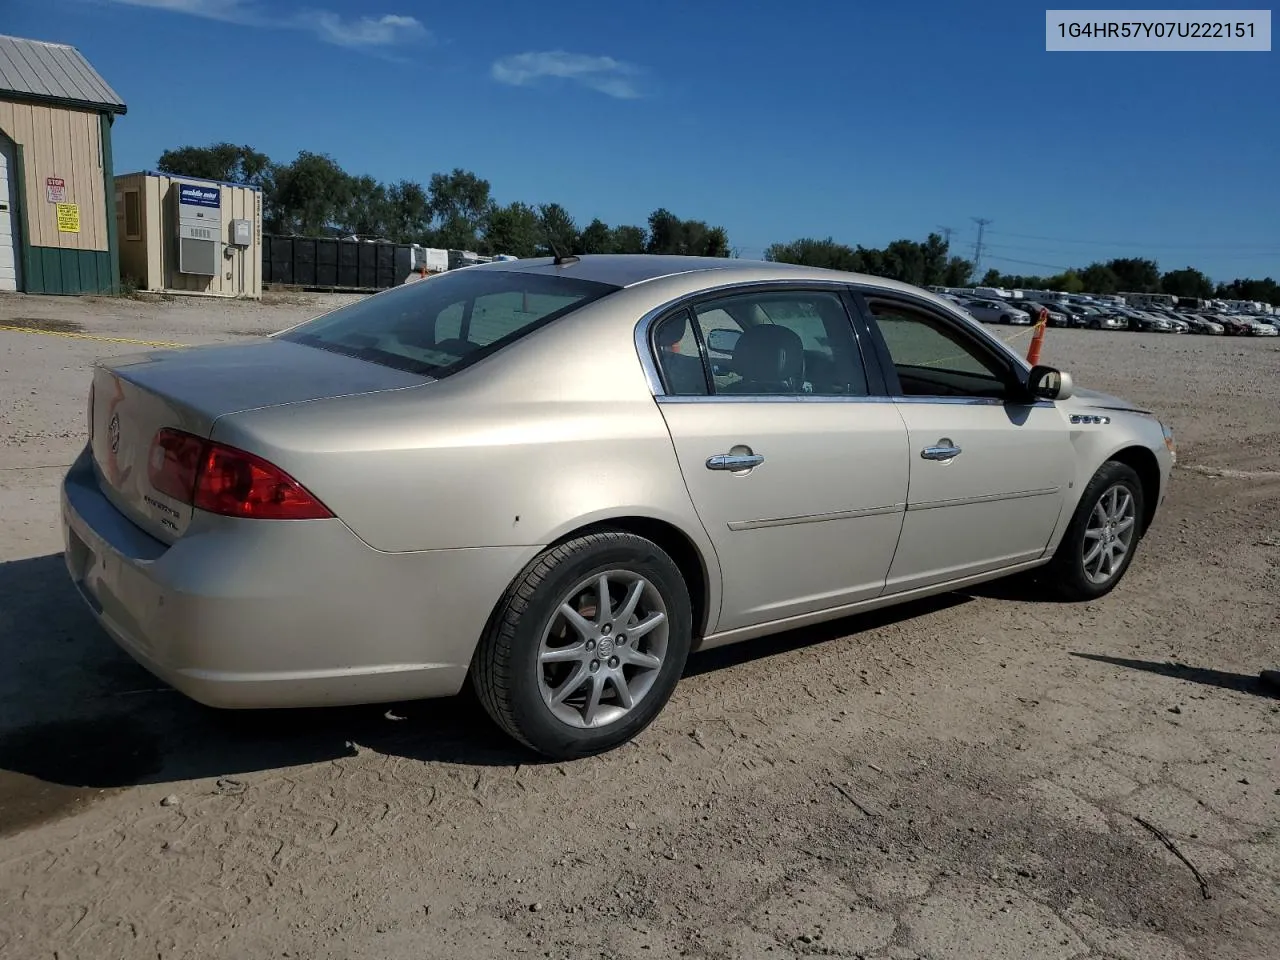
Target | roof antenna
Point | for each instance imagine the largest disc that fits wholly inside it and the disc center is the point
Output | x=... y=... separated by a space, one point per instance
x=560 y=259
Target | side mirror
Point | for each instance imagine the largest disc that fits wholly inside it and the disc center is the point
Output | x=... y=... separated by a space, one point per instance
x=1047 y=383
x=722 y=340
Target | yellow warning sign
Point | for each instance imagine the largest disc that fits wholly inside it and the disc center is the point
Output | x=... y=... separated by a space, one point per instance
x=68 y=217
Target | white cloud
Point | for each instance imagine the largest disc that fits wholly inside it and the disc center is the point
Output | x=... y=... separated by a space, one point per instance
x=231 y=10
x=603 y=74
x=364 y=32
x=360 y=32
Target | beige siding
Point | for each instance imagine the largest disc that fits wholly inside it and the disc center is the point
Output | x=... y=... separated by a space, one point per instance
x=134 y=264
x=153 y=260
x=58 y=142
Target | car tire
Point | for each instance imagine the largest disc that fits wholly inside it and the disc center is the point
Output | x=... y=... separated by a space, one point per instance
x=1099 y=523
x=1005 y=318
x=531 y=649
x=1095 y=325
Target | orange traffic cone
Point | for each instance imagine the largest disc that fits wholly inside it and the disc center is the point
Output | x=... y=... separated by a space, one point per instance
x=1037 y=339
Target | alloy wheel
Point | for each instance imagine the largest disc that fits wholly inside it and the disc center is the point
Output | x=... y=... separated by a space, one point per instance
x=603 y=649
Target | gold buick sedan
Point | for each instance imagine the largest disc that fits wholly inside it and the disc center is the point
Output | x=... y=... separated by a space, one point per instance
x=556 y=478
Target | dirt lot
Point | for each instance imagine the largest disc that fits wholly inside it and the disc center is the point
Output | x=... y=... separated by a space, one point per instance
x=959 y=779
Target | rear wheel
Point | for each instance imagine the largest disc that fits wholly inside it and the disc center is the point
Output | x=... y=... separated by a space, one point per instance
x=587 y=645
x=1100 y=541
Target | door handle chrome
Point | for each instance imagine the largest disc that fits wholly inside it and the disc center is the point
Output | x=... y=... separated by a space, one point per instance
x=734 y=461
x=944 y=449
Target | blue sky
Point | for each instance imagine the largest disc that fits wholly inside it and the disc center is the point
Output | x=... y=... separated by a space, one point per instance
x=865 y=122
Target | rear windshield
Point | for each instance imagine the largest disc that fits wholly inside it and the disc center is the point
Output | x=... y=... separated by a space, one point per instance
x=444 y=323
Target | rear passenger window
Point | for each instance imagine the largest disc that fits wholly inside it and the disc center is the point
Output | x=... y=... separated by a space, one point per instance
x=774 y=343
x=676 y=346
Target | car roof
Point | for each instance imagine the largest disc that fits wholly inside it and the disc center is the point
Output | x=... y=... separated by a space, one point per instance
x=630 y=269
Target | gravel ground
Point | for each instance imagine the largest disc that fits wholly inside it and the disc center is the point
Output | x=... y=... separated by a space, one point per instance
x=961 y=778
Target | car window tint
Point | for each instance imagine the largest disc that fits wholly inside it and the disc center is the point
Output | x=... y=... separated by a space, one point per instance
x=676 y=347
x=932 y=358
x=449 y=322
x=438 y=325
x=779 y=343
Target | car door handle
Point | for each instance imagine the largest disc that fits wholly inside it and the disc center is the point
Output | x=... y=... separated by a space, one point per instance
x=944 y=449
x=734 y=461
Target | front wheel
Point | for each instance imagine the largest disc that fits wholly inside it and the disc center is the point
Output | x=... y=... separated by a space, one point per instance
x=1100 y=541
x=586 y=646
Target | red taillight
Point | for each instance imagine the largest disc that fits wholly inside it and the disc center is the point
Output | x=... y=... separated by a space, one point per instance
x=174 y=463
x=223 y=480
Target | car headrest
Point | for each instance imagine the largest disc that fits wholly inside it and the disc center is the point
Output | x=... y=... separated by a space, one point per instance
x=769 y=352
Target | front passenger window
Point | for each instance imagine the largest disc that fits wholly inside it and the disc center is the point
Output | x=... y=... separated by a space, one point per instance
x=932 y=359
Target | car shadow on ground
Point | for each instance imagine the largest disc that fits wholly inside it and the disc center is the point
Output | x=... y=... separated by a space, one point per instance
x=77 y=712
x=1240 y=682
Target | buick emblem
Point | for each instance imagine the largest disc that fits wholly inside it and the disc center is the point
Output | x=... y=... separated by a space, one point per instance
x=113 y=433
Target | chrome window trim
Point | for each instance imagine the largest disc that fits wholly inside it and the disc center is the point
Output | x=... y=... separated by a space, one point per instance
x=854 y=287
x=663 y=398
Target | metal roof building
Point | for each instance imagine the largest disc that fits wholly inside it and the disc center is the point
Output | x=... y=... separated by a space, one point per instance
x=57 y=190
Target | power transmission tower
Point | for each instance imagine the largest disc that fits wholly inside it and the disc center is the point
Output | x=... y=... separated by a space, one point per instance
x=946 y=234
x=977 y=247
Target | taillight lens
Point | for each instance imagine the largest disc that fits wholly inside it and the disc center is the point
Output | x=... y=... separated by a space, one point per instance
x=227 y=481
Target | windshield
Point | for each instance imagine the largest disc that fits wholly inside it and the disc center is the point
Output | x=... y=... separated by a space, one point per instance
x=444 y=323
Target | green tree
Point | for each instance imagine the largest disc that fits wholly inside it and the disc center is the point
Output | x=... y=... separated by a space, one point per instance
x=367 y=211
x=219 y=161
x=992 y=278
x=313 y=195
x=556 y=227
x=666 y=232
x=1188 y=282
x=460 y=204
x=408 y=212
x=628 y=239
x=958 y=272
x=513 y=229
x=1067 y=282
x=934 y=252
x=1135 y=275
x=1100 y=278
x=596 y=237
x=825 y=254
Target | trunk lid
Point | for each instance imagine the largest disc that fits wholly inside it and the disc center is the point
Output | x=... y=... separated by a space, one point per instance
x=135 y=397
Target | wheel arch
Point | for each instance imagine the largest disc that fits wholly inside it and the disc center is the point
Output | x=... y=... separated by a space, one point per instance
x=1143 y=462
x=680 y=547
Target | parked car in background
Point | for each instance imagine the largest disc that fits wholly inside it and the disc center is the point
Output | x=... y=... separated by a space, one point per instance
x=1108 y=320
x=1143 y=321
x=1203 y=325
x=538 y=478
x=1056 y=317
x=1236 y=326
x=1074 y=313
x=996 y=311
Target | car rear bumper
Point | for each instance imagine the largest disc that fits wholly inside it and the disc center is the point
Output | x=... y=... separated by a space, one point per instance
x=250 y=613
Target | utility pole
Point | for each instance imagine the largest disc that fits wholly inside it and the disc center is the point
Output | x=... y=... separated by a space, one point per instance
x=977 y=247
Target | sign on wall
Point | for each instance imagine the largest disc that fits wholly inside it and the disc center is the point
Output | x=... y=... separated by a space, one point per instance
x=68 y=217
x=55 y=189
x=193 y=195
